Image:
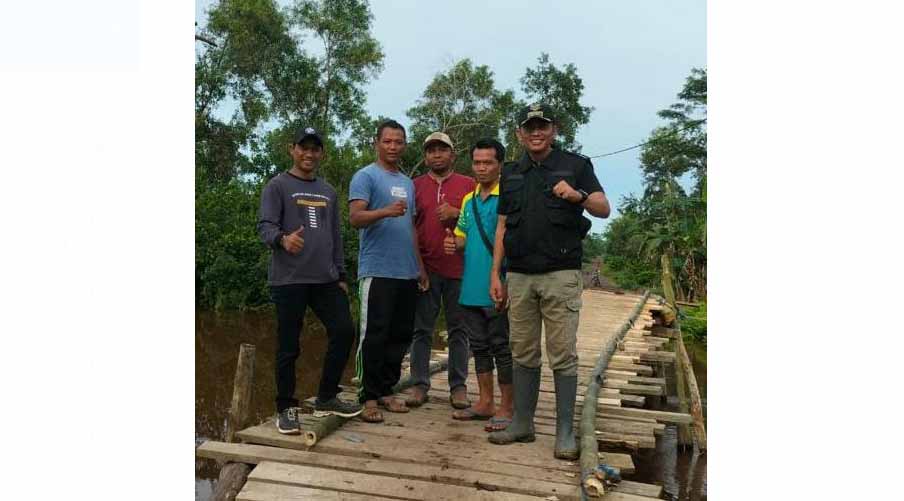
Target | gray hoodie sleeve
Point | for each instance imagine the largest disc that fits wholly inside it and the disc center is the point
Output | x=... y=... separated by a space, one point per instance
x=338 y=248
x=268 y=225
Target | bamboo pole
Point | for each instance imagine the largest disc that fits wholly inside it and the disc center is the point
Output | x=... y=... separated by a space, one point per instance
x=591 y=485
x=234 y=475
x=314 y=429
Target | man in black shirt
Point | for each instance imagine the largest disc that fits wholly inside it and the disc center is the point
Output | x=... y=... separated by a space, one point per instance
x=540 y=229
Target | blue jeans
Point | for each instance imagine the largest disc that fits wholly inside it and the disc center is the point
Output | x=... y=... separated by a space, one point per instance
x=446 y=291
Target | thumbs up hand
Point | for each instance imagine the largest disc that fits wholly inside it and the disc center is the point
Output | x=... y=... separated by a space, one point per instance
x=293 y=242
x=446 y=212
x=449 y=243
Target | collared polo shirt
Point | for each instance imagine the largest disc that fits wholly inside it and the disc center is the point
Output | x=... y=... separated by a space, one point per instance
x=478 y=260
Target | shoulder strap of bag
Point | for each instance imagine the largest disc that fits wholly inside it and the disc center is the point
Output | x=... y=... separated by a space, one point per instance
x=483 y=233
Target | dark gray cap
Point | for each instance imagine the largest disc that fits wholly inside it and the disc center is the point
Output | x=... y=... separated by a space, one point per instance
x=306 y=132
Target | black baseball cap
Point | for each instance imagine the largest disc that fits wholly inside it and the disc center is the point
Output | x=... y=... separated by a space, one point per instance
x=307 y=132
x=540 y=111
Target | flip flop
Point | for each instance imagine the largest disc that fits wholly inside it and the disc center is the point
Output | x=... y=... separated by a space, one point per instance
x=469 y=414
x=496 y=421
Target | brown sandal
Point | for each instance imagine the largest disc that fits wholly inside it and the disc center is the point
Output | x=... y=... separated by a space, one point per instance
x=392 y=404
x=371 y=415
x=415 y=397
x=459 y=398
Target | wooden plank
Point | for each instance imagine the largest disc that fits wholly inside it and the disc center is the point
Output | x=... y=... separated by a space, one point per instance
x=648 y=338
x=363 y=483
x=618 y=425
x=623 y=439
x=615 y=372
x=661 y=416
x=637 y=389
x=638 y=489
x=624 y=398
x=265 y=491
x=621 y=496
x=254 y=454
x=644 y=370
x=636 y=379
x=535 y=455
x=654 y=356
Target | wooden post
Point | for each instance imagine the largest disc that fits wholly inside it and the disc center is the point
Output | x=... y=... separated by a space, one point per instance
x=696 y=403
x=241 y=392
x=232 y=478
x=233 y=475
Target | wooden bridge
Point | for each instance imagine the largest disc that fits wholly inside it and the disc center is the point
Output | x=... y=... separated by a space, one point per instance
x=425 y=454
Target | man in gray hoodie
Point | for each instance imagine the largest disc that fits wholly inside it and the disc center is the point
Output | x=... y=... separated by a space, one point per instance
x=299 y=220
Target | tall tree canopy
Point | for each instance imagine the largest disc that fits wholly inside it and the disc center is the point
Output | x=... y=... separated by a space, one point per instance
x=667 y=220
x=562 y=89
x=261 y=72
x=464 y=103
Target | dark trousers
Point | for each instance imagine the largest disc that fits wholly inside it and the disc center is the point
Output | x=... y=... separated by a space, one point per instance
x=330 y=304
x=387 y=324
x=445 y=290
x=488 y=331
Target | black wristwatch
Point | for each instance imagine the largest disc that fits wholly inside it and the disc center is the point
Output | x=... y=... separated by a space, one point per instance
x=584 y=196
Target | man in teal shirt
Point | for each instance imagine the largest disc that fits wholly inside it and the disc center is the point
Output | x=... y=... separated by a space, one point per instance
x=484 y=320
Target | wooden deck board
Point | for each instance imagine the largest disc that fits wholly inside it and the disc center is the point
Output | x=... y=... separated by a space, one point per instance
x=255 y=454
x=266 y=491
x=368 y=484
x=429 y=455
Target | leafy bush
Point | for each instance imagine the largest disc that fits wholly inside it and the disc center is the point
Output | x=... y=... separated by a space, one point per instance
x=693 y=322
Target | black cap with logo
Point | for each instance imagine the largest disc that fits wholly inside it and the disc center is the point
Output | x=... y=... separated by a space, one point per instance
x=307 y=132
x=541 y=111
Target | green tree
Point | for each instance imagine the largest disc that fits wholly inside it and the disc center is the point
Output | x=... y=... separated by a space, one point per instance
x=464 y=103
x=667 y=220
x=562 y=89
x=256 y=83
x=351 y=58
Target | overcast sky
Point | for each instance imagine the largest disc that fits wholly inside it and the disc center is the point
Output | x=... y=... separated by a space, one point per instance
x=633 y=57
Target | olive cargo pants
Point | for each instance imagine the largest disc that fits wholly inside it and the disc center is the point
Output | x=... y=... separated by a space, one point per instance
x=555 y=299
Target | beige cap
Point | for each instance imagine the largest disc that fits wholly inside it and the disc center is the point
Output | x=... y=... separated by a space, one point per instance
x=438 y=136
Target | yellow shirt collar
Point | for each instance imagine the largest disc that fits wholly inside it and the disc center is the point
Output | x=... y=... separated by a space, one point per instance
x=494 y=191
